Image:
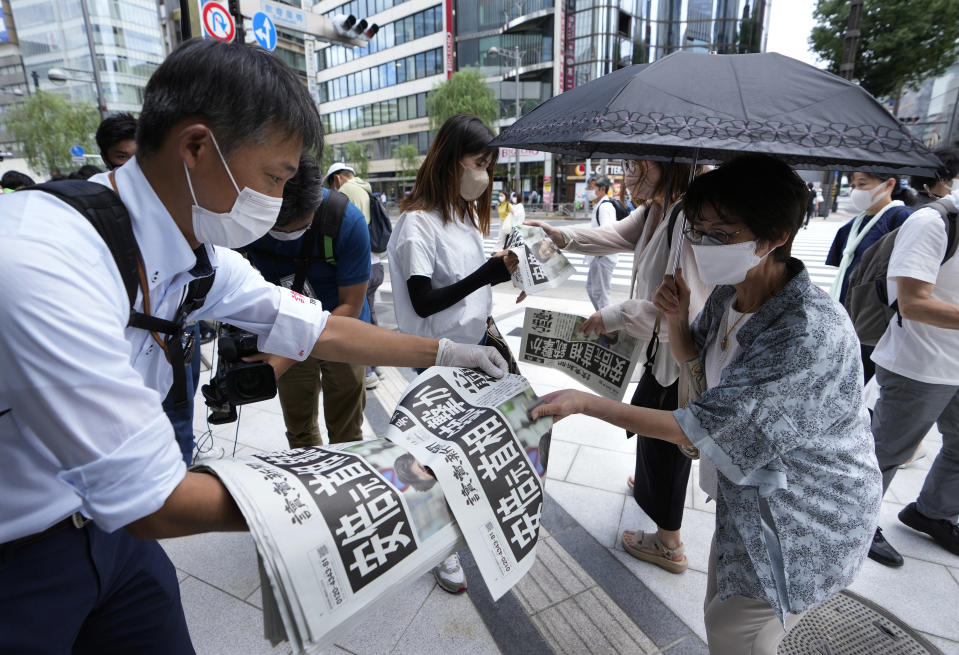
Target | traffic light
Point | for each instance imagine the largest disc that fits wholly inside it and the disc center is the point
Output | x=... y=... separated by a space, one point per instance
x=347 y=25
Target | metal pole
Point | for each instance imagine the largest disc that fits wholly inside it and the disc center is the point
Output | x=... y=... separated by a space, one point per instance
x=516 y=61
x=101 y=102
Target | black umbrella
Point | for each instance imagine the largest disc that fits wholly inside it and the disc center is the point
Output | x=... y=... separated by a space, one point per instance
x=708 y=108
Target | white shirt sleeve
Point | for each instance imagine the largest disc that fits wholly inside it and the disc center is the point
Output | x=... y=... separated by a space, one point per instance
x=77 y=402
x=287 y=323
x=415 y=249
x=920 y=247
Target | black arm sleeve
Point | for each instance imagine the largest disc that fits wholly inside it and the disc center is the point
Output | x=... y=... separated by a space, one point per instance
x=427 y=301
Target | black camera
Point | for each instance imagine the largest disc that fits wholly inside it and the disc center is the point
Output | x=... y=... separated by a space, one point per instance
x=236 y=382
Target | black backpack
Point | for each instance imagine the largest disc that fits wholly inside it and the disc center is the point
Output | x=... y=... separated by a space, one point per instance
x=867 y=299
x=109 y=217
x=380 y=226
x=621 y=211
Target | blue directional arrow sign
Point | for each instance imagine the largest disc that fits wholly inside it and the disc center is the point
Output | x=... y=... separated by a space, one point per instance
x=77 y=150
x=264 y=31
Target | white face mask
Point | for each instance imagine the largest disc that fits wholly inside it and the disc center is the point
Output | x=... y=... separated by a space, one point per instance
x=473 y=183
x=288 y=236
x=591 y=195
x=725 y=263
x=252 y=214
x=863 y=199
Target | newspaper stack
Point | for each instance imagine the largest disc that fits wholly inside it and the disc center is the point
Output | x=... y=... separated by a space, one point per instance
x=339 y=528
x=602 y=363
x=541 y=265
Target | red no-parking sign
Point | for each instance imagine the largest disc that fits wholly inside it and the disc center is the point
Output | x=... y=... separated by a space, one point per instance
x=217 y=21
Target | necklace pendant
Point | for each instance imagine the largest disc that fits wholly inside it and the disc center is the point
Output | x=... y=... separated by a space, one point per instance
x=724 y=343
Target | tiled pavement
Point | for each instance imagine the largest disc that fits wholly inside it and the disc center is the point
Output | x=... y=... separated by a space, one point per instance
x=582 y=570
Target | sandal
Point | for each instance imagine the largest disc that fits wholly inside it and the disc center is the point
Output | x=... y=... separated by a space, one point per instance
x=630 y=482
x=646 y=546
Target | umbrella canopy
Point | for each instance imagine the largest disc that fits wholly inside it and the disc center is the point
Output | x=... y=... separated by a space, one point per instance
x=709 y=108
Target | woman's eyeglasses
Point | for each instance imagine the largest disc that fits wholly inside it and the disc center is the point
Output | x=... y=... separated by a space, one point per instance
x=719 y=236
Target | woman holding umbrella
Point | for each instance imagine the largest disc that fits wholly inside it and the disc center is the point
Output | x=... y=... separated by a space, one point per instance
x=797 y=488
x=662 y=470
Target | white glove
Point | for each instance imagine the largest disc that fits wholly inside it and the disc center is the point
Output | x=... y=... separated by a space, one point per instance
x=485 y=358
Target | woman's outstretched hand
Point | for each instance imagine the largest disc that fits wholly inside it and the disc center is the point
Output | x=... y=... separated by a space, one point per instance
x=561 y=404
x=593 y=325
x=554 y=233
x=509 y=259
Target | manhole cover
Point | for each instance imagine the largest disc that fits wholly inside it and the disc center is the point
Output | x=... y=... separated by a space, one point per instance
x=848 y=624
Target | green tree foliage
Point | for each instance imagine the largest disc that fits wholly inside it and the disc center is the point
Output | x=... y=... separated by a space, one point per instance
x=47 y=125
x=466 y=92
x=901 y=43
x=327 y=158
x=409 y=160
x=356 y=156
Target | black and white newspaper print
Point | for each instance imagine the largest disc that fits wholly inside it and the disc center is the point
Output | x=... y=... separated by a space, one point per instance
x=475 y=435
x=541 y=264
x=603 y=364
x=337 y=528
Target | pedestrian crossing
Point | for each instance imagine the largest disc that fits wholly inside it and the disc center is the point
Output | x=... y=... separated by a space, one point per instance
x=811 y=246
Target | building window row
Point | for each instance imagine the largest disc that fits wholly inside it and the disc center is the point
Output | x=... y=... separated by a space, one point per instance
x=363 y=8
x=406 y=69
x=403 y=30
x=377 y=113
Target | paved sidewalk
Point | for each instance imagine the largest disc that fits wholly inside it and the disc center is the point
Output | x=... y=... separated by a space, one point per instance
x=582 y=570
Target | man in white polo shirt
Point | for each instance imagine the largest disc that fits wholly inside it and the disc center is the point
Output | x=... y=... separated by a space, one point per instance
x=917 y=367
x=92 y=473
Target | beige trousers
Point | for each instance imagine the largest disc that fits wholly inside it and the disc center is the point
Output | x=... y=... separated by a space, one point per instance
x=740 y=625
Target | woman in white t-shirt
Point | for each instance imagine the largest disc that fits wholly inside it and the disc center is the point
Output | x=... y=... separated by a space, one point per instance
x=441 y=278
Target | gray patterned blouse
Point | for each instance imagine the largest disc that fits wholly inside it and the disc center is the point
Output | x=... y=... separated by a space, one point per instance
x=799 y=486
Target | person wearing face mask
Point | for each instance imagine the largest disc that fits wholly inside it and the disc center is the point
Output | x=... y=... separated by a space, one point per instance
x=662 y=470
x=441 y=278
x=340 y=286
x=503 y=208
x=942 y=184
x=95 y=475
x=781 y=420
x=879 y=199
x=599 y=278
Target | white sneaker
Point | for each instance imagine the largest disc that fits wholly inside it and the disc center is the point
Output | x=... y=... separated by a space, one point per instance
x=372 y=381
x=449 y=575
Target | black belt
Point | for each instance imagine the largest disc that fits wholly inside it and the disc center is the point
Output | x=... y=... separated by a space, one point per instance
x=75 y=520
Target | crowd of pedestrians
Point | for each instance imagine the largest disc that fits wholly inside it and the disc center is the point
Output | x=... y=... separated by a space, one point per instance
x=747 y=365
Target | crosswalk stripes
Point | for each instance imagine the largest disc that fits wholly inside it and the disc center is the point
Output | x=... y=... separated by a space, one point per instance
x=811 y=246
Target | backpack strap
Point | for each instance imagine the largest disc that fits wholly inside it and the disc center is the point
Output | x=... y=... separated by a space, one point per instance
x=330 y=217
x=949 y=213
x=105 y=211
x=109 y=217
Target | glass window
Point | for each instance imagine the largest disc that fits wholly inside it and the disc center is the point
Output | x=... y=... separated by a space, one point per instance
x=402 y=110
x=421 y=65
x=419 y=25
x=421 y=104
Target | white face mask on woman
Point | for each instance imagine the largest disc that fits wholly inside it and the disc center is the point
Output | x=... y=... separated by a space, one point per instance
x=473 y=183
x=863 y=199
x=252 y=214
x=720 y=263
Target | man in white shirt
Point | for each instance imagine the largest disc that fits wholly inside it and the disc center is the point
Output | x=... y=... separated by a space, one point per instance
x=87 y=448
x=599 y=279
x=917 y=367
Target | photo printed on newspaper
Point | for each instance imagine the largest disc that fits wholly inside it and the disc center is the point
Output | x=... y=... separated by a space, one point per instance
x=474 y=433
x=541 y=264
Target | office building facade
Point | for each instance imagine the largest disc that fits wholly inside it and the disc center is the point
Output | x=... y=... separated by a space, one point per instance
x=126 y=39
x=13 y=79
